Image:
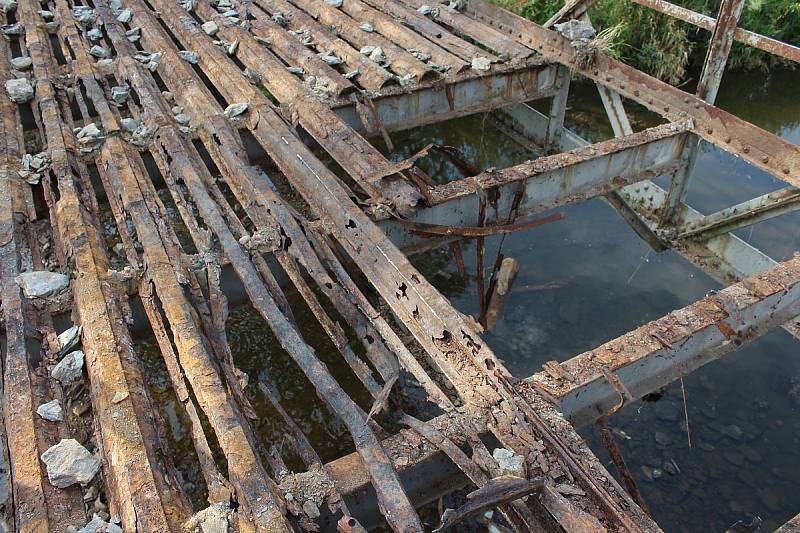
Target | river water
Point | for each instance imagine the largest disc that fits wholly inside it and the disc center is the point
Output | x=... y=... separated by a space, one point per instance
x=582 y=281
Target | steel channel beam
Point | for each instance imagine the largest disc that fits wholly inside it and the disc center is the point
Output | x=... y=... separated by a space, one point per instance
x=447 y=100
x=741 y=215
x=551 y=181
x=762 y=42
x=644 y=359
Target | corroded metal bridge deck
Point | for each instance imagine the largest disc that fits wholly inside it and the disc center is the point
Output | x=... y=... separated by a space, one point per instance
x=250 y=119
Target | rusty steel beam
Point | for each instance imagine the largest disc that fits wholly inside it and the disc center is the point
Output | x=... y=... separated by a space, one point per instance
x=751 y=143
x=718 y=49
x=791 y=526
x=453 y=98
x=767 y=44
x=741 y=215
x=137 y=487
x=551 y=181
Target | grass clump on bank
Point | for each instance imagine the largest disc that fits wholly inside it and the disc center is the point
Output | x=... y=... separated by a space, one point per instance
x=668 y=48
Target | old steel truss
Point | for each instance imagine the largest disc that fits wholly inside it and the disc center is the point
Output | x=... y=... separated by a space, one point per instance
x=129 y=98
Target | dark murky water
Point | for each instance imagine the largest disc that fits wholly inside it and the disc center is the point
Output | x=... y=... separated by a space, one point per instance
x=585 y=280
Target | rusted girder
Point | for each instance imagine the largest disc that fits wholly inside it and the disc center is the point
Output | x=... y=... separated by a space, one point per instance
x=552 y=181
x=751 y=143
x=138 y=488
x=762 y=42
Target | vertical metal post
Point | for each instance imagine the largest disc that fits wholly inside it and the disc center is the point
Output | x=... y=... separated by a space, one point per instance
x=558 y=108
x=717 y=56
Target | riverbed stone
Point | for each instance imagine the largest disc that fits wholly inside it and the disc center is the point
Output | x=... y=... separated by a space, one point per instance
x=41 y=283
x=68 y=463
x=51 y=411
x=19 y=90
x=69 y=368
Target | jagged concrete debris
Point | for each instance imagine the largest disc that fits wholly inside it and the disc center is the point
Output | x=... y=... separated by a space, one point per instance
x=330 y=59
x=231 y=49
x=8 y=6
x=46 y=15
x=33 y=166
x=21 y=63
x=99 y=52
x=511 y=464
x=125 y=16
x=576 y=30
x=210 y=28
x=89 y=136
x=481 y=63
x=296 y=70
x=68 y=463
x=213 y=519
x=51 y=411
x=189 y=57
x=84 y=15
x=280 y=19
x=11 y=29
x=252 y=76
x=142 y=135
x=98 y=525
x=69 y=369
x=129 y=124
x=334 y=3
x=425 y=10
x=234 y=110
x=182 y=119
x=106 y=66
x=134 y=34
x=42 y=283
x=95 y=34
x=120 y=94
x=69 y=338
x=350 y=75
x=19 y=90
x=367 y=27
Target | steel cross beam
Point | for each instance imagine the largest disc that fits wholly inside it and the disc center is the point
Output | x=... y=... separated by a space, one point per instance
x=747 y=141
x=551 y=181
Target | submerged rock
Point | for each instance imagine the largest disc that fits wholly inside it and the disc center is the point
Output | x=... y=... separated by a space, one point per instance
x=68 y=462
x=51 y=411
x=42 y=283
x=19 y=90
x=69 y=369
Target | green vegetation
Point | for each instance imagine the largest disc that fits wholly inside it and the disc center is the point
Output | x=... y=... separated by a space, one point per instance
x=668 y=48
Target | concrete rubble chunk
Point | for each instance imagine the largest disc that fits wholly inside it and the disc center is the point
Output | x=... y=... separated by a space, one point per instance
x=42 y=283
x=51 y=411
x=68 y=463
x=129 y=124
x=233 y=47
x=69 y=369
x=120 y=94
x=189 y=57
x=99 y=52
x=19 y=90
x=46 y=15
x=377 y=55
x=98 y=525
x=115 y=5
x=8 y=6
x=481 y=63
x=95 y=34
x=69 y=338
x=213 y=519
x=575 y=30
x=142 y=135
x=84 y=15
x=367 y=27
x=280 y=19
x=210 y=28
x=331 y=59
x=296 y=70
x=12 y=29
x=252 y=76
x=106 y=66
x=125 y=16
x=511 y=464
x=425 y=10
x=182 y=119
x=352 y=74
x=234 y=110
x=334 y=3
x=21 y=63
